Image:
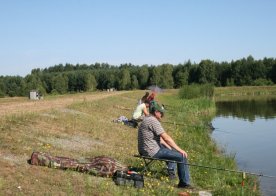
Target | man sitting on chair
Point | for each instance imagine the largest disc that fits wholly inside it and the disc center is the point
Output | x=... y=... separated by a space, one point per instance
x=151 y=141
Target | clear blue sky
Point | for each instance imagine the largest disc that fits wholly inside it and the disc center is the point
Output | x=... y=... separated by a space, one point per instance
x=40 y=34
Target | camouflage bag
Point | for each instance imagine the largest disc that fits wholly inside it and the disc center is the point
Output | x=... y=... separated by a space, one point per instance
x=100 y=166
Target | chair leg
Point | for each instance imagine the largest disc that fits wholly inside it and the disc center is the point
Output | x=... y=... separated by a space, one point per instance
x=146 y=165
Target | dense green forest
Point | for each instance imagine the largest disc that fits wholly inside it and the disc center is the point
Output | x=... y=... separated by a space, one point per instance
x=68 y=78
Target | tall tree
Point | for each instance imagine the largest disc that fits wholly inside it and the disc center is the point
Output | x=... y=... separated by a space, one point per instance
x=134 y=82
x=156 y=76
x=90 y=82
x=207 y=72
x=273 y=72
x=15 y=86
x=33 y=82
x=223 y=74
x=106 y=79
x=2 y=87
x=124 y=81
x=68 y=67
x=181 y=78
x=143 y=76
x=181 y=74
x=72 y=81
x=268 y=63
x=167 y=77
x=60 y=84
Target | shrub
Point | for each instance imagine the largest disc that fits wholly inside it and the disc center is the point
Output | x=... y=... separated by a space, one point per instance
x=196 y=91
x=207 y=90
x=262 y=82
x=2 y=94
x=54 y=92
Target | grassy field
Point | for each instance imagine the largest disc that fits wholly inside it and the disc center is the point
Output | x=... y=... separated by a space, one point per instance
x=245 y=90
x=81 y=125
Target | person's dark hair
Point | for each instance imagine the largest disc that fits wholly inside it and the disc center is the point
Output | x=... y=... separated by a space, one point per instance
x=147 y=102
x=144 y=98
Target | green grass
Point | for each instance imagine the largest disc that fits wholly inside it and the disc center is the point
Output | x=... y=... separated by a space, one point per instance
x=196 y=91
x=85 y=129
x=193 y=134
x=245 y=90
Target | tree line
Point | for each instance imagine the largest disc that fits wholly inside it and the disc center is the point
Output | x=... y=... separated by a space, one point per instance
x=69 y=78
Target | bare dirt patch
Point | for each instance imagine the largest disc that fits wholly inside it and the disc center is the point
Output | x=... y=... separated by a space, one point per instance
x=23 y=105
x=13 y=159
x=75 y=143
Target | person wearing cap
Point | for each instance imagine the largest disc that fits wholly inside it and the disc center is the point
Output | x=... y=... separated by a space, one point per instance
x=151 y=136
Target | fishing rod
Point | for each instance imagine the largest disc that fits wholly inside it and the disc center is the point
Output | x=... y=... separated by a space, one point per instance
x=204 y=166
x=172 y=107
x=185 y=125
x=174 y=123
x=172 y=111
x=230 y=170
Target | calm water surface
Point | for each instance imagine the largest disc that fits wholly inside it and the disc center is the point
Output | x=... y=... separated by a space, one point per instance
x=247 y=129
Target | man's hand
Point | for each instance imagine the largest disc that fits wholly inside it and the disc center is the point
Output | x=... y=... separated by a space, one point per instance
x=172 y=144
x=183 y=153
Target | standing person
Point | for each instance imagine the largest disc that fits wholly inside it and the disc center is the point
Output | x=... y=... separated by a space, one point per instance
x=141 y=111
x=151 y=135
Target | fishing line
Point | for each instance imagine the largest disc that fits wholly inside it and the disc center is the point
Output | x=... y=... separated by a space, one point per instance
x=229 y=170
x=185 y=125
x=207 y=167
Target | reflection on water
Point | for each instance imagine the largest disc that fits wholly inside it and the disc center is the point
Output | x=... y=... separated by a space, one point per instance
x=247 y=129
x=247 y=109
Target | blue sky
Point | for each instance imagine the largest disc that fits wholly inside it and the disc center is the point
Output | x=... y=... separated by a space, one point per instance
x=40 y=34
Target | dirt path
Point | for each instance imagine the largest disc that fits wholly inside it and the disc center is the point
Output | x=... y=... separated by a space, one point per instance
x=22 y=105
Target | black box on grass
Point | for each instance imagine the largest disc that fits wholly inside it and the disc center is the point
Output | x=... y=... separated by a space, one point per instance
x=128 y=178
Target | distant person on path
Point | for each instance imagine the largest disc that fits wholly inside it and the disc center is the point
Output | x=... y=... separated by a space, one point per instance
x=151 y=135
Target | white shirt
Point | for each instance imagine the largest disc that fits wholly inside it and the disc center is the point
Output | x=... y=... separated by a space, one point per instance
x=139 y=111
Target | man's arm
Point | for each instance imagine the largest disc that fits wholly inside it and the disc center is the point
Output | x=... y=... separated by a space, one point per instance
x=172 y=144
x=164 y=143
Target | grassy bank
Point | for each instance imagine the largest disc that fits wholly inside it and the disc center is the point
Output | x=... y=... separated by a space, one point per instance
x=245 y=90
x=84 y=128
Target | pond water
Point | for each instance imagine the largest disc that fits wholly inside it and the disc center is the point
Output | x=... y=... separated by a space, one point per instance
x=247 y=129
